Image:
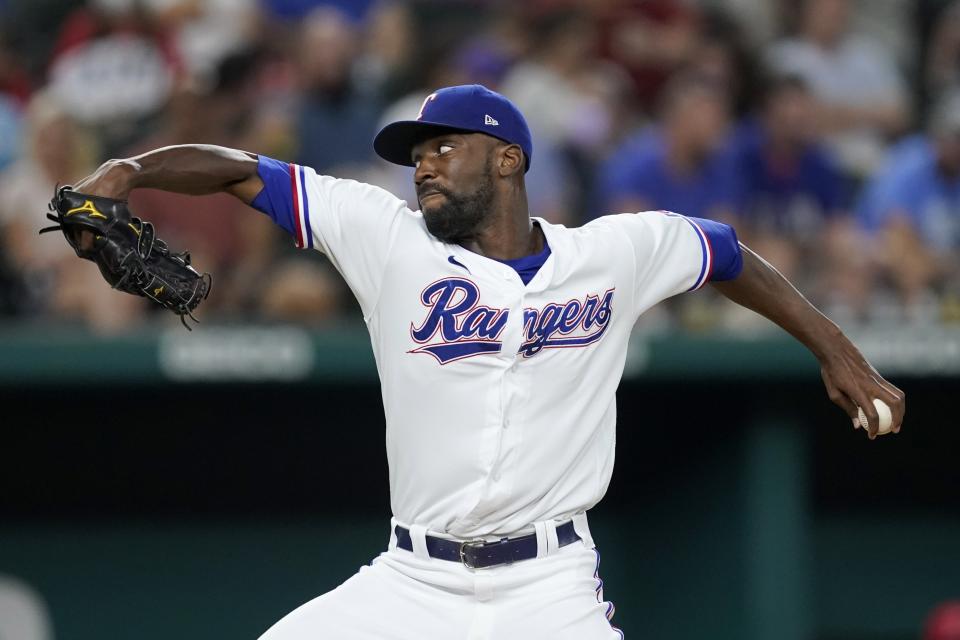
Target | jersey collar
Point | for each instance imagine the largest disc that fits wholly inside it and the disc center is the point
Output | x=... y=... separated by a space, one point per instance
x=482 y=264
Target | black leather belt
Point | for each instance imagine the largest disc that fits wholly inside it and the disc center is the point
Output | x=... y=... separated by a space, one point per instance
x=478 y=554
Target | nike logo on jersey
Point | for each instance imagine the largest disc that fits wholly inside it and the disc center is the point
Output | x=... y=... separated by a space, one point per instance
x=458 y=327
x=456 y=262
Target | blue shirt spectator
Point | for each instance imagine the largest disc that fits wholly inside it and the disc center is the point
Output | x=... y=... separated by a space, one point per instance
x=336 y=130
x=911 y=186
x=337 y=117
x=640 y=172
x=298 y=9
x=786 y=193
x=686 y=163
x=10 y=128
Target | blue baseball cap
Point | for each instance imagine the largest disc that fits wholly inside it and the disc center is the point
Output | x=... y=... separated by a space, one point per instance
x=470 y=108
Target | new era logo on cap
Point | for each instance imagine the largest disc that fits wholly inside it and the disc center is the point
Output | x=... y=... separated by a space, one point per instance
x=461 y=109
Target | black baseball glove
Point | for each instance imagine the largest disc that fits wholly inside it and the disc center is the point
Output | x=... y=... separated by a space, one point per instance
x=130 y=255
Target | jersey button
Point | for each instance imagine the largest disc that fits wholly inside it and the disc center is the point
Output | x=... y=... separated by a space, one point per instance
x=506 y=424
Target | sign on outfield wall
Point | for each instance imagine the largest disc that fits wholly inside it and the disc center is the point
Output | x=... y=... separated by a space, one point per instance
x=282 y=354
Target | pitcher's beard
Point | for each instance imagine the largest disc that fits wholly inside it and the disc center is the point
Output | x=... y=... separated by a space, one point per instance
x=460 y=217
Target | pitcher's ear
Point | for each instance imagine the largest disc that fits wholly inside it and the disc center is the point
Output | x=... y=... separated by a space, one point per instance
x=510 y=159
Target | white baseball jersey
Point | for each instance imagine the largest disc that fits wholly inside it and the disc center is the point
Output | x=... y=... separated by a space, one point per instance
x=499 y=396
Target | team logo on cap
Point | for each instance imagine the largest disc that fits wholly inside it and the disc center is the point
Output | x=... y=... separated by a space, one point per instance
x=426 y=101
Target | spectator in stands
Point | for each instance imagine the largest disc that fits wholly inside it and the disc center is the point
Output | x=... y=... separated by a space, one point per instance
x=652 y=40
x=56 y=151
x=205 y=33
x=724 y=54
x=15 y=89
x=544 y=87
x=10 y=130
x=686 y=163
x=315 y=94
x=385 y=65
x=302 y=292
x=912 y=206
x=53 y=283
x=15 y=83
x=336 y=119
x=272 y=284
x=113 y=68
x=562 y=115
x=792 y=189
x=296 y=10
x=863 y=99
x=942 y=66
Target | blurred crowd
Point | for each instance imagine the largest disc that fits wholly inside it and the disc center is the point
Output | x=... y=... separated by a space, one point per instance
x=826 y=131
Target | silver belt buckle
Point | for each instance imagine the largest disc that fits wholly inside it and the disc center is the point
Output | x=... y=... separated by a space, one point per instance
x=472 y=544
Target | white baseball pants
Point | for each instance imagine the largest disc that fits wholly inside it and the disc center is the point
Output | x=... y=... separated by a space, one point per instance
x=405 y=595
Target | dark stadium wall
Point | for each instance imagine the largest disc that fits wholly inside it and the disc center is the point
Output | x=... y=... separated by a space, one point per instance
x=719 y=521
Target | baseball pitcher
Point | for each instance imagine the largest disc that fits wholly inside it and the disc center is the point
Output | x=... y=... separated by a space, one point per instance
x=500 y=340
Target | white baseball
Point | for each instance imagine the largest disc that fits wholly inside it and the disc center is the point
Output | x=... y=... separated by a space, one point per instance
x=883 y=412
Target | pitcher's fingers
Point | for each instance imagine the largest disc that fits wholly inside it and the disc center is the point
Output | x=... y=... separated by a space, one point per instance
x=895 y=399
x=840 y=399
x=869 y=410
